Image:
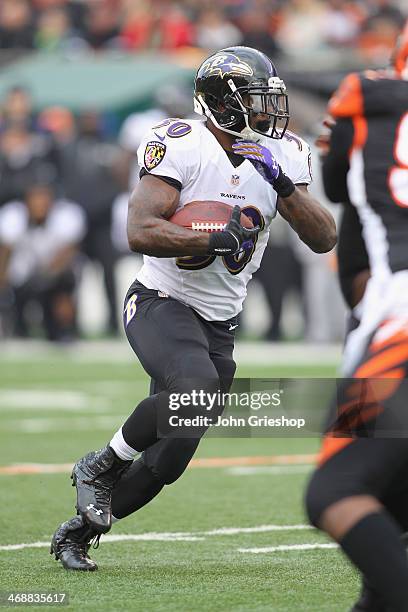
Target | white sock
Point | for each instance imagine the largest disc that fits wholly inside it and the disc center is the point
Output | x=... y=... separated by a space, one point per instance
x=123 y=450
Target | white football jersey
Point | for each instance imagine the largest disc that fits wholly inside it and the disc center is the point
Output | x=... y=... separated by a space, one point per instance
x=187 y=152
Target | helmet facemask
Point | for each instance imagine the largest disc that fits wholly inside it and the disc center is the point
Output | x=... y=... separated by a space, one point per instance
x=237 y=111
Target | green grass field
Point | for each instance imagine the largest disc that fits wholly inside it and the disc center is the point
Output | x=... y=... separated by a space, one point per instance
x=55 y=407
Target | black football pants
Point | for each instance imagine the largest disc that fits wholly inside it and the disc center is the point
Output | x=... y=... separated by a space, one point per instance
x=180 y=351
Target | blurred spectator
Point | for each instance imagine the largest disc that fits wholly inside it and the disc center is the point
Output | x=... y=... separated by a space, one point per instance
x=279 y=275
x=102 y=26
x=342 y=23
x=60 y=122
x=55 y=32
x=214 y=31
x=158 y=27
x=138 y=21
x=16 y=25
x=302 y=26
x=89 y=179
x=24 y=154
x=380 y=31
x=175 y=30
x=257 y=28
x=386 y=10
x=39 y=240
x=17 y=107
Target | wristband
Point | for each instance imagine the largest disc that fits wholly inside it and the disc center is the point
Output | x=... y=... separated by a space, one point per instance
x=283 y=185
x=223 y=243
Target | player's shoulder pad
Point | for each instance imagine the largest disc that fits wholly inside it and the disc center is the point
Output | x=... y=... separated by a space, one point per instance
x=169 y=138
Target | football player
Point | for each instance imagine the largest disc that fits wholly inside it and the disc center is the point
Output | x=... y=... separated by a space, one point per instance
x=359 y=493
x=180 y=313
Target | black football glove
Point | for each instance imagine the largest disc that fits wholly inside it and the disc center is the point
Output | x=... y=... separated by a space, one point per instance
x=233 y=238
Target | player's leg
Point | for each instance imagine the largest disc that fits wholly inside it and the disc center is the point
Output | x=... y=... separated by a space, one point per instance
x=137 y=487
x=347 y=496
x=173 y=349
x=344 y=498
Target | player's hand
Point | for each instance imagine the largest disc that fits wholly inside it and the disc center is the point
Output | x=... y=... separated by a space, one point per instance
x=260 y=157
x=234 y=238
x=267 y=166
x=240 y=233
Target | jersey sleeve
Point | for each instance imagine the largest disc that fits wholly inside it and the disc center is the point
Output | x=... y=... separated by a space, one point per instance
x=170 y=152
x=297 y=160
x=303 y=170
x=13 y=223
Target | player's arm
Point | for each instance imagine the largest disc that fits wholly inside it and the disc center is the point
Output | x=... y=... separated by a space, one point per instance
x=149 y=232
x=335 y=162
x=354 y=266
x=313 y=224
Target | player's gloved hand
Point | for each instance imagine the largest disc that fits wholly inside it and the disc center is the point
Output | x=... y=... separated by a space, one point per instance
x=267 y=166
x=234 y=237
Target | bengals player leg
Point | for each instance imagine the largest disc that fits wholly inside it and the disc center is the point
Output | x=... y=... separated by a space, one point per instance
x=359 y=492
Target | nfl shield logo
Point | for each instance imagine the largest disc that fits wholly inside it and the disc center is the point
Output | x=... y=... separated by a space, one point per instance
x=235 y=179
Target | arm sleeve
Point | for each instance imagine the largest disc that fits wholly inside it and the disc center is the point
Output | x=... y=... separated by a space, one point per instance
x=335 y=164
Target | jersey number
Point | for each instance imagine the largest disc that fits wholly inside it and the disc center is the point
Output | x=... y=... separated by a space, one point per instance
x=398 y=176
x=234 y=263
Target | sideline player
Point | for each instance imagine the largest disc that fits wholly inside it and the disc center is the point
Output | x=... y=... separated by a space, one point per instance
x=359 y=493
x=180 y=313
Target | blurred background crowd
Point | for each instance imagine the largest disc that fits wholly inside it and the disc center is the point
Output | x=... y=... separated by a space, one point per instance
x=286 y=26
x=68 y=146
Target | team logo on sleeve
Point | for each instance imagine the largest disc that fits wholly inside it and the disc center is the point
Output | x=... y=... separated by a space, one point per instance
x=154 y=153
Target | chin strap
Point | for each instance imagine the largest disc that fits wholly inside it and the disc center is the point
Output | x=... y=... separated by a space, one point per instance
x=248 y=134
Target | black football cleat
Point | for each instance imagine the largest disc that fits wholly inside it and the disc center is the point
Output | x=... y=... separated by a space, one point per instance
x=369 y=601
x=94 y=476
x=71 y=542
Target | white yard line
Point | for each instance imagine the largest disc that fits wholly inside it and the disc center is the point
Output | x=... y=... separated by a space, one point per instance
x=44 y=399
x=172 y=536
x=287 y=547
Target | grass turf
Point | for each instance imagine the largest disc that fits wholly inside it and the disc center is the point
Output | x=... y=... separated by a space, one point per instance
x=75 y=407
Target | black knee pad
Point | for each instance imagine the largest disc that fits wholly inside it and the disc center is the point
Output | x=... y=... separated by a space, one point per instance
x=169 y=457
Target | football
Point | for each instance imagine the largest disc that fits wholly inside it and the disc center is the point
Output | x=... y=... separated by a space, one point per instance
x=207 y=216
